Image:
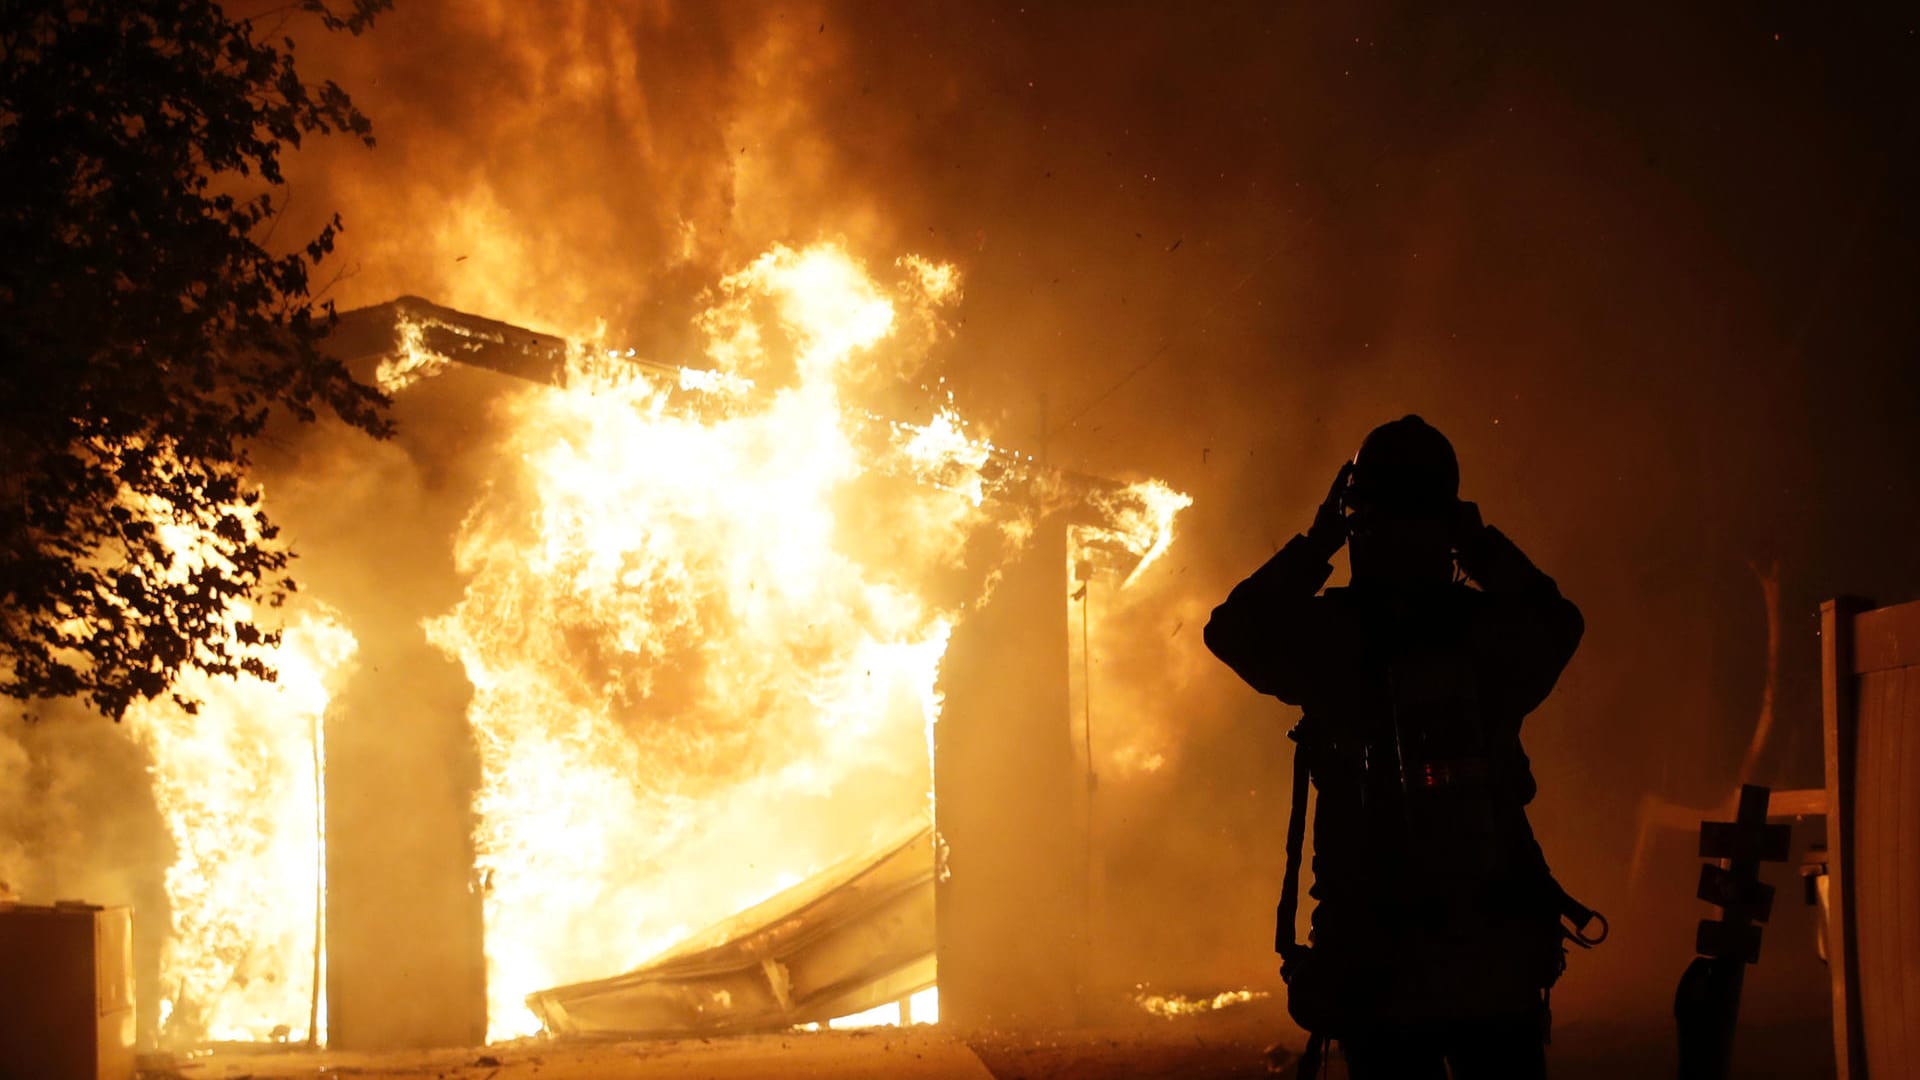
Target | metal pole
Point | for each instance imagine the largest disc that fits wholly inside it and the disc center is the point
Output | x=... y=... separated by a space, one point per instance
x=319 y=883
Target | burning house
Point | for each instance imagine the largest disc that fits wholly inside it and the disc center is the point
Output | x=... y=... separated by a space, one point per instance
x=625 y=696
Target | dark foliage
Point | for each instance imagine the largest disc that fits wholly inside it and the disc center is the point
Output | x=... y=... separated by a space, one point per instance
x=147 y=333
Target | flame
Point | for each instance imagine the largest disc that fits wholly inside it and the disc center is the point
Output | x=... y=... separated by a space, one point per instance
x=703 y=663
x=1110 y=688
x=942 y=454
x=1140 y=519
x=237 y=781
x=1170 y=1006
x=237 y=785
x=236 y=778
x=412 y=360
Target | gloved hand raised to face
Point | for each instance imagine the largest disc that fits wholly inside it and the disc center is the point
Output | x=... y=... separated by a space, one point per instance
x=1329 y=529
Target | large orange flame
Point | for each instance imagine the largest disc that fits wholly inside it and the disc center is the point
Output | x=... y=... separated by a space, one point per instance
x=696 y=683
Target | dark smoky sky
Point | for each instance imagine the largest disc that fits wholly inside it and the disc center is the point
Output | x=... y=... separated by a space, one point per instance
x=1649 y=265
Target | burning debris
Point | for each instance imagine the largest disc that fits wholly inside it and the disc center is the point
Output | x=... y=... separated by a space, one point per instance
x=852 y=945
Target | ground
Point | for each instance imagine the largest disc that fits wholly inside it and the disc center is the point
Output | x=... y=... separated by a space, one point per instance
x=1218 y=1046
x=1230 y=1045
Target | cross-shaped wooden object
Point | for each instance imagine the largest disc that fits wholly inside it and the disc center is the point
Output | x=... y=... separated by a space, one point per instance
x=1744 y=900
x=1708 y=1004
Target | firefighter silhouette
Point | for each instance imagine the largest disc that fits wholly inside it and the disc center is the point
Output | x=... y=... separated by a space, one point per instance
x=1438 y=927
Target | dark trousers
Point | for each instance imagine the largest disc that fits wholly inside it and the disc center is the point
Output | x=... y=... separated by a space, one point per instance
x=1500 y=1048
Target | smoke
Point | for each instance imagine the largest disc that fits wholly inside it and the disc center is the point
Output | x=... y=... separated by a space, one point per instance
x=1640 y=265
x=62 y=804
x=564 y=165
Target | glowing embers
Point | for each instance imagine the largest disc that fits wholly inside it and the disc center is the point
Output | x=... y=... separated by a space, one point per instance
x=700 y=628
x=1170 y=1006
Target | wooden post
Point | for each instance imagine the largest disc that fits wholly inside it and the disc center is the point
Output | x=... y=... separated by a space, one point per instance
x=1009 y=884
x=1838 y=716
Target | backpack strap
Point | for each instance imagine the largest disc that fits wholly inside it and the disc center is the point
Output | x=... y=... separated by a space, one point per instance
x=1284 y=941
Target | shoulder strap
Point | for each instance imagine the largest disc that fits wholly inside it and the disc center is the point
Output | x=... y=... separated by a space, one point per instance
x=1284 y=941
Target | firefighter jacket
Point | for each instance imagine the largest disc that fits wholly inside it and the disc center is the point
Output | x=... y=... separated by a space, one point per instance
x=1412 y=702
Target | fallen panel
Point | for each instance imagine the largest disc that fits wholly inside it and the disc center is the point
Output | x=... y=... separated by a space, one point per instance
x=852 y=938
